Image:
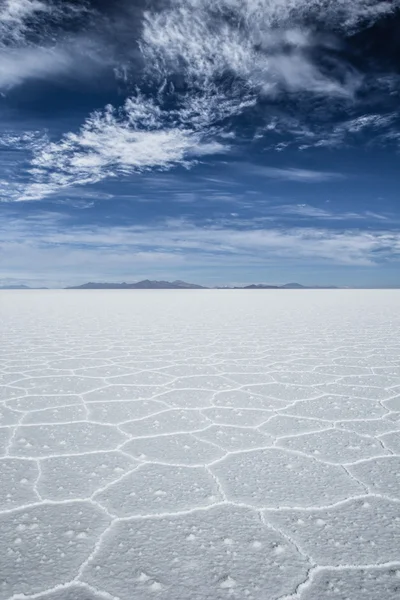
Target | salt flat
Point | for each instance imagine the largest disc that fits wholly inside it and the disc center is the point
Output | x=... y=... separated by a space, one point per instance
x=200 y=445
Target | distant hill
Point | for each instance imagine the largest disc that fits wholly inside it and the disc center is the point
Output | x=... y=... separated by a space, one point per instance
x=292 y=286
x=146 y=284
x=259 y=286
x=20 y=287
x=298 y=286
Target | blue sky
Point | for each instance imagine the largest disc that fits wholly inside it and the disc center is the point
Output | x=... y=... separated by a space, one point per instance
x=222 y=142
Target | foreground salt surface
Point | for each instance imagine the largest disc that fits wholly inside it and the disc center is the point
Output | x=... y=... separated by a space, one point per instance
x=200 y=445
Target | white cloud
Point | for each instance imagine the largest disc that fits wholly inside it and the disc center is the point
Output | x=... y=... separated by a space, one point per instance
x=137 y=138
x=30 y=49
x=15 y=15
x=20 y=64
x=253 y=39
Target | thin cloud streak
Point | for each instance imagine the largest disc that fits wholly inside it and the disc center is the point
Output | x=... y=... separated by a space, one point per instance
x=293 y=174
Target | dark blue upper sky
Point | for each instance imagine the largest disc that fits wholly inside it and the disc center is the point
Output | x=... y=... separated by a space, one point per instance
x=216 y=141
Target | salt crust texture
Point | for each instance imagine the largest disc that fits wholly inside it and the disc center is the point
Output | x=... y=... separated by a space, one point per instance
x=196 y=445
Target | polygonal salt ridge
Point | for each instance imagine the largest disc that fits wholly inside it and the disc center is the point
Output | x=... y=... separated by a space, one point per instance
x=233 y=439
x=80 y=476
x=302 y=377
x=394 y=417
x=21 y=366
x=219 y=552
x=372 y=427
x=203 y=382
x=242 y=399
x=185 y=370
x=106 y=354
x=124 y=410
x=170 y=421
x=298 y=364
x=112 y=393
x=106 y=371
x=341 y=583
x=47 y=543
x=9 y=416
x=342 y=370
x=381 y=381
x=143 y=365
x=79 y=363
x=357 y=391
x=371 y=362
x=151 y=378
x=283 y=425
x=391 y=441
x=157 y=489
x=17 y=480
x=284 y=392
x=393 y=404
x=62 y=414
x=66 y=384
x=74 y=591
x=354 y=532
x=65 y=438
x=334 y=445
x=249 y=378
x=8 y=392
x=392 y=370
x=380 y=475
x=177 y=448
x=334 y=408
x=43 y=372
x=186 y=398
x=245 y=417
x=31 y=403
x=9 y=378
x=5 y=437
x=273 y=477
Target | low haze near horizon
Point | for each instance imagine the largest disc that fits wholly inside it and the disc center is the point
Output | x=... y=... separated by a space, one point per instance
x=223 y=142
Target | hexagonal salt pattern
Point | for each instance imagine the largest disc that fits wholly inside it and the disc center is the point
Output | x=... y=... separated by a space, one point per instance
x=46 y=544
x=214 y=445
x=355 y=532
x=223 y=552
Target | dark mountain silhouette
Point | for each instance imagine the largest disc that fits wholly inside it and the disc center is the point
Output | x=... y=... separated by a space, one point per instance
x=259 y=286
x=20 y=287
x=298 y=286
x=146 y=284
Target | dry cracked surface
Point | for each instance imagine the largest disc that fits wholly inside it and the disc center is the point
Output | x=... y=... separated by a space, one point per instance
x=200 y=444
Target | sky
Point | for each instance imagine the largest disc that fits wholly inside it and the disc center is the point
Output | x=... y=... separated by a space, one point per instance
x=214 y=141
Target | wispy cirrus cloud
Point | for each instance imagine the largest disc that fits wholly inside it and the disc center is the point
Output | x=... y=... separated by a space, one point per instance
x=137 y=138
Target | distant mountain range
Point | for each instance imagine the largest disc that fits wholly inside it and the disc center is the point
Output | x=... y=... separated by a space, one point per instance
x=146 y=284
x=20 y=287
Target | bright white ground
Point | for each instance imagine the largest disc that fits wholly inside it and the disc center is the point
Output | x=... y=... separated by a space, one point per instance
x=200 y=445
